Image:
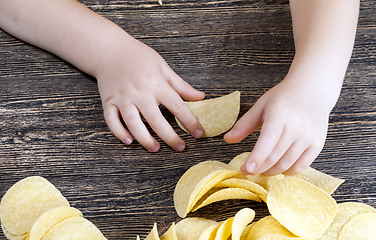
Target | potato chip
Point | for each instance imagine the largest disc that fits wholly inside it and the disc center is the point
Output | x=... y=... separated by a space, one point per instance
x=196 y=181
x=216 y=115
x=301 y=207
x=266 y=226
x=324 y=181
x=170 y=234
x=192 y=228
x=11 y=236
x=345 y=212
x=209 y=233
x=246 y=231
x=241 y=220
x=262 y=180
x=25 y=201
x=360 y=227
x=153 y=235
x=49 y=219
x=224 y=230
x=74 y=228
x=245 y=184
x=277 y=237
x=220 y=194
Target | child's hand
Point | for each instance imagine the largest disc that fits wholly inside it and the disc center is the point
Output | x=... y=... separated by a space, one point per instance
x=134 y=79
x=294 y=119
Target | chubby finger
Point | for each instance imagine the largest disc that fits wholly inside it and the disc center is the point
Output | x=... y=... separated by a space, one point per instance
x=246 y=125
x=181 y=111
x=112 y=117
x=184 y=89
x=132 y=119
x=303 y=162
x=161 y=127
x=270 y=134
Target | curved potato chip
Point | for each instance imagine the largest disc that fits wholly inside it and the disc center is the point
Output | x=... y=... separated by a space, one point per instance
x=216 y=115
x=153 y=235
x=360 y=227
x=241 y=220
x=192 y=228
x=266 y=226
x=49 y=219
x=74 y=228
x=25 y=201
x=216 y=195
x=345 y=212
x=277 y=237
x=224 y=230
x=310 y=207
x=209 y=233
x=196 y=181
x=324 y=181
x=245 y=184
x=239 y=160
x=11 y=236
x=170 y=234
x=246 y=231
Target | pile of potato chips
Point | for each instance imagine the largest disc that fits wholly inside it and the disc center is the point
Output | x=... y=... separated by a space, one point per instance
x=300 y=206
x=34 y=209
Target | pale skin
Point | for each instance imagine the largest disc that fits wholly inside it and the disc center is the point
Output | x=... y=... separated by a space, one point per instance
x=133 y=79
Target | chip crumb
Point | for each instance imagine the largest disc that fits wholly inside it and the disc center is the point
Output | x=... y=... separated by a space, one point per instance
x=160 y=2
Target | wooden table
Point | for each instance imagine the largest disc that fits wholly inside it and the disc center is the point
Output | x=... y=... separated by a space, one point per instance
x=52 y=122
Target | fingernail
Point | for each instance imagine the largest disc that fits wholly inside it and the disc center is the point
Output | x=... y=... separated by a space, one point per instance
x=180 y=147
x=155 y=148
x=128 y=140
x=198 y=133
x=250 y=167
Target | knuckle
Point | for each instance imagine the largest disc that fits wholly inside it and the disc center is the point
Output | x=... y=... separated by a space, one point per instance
x=178 y=107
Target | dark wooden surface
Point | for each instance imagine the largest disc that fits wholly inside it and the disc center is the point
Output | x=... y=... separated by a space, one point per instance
x=52 y=124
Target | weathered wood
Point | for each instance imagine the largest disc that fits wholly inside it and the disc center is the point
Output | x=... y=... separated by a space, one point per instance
x=52 y=123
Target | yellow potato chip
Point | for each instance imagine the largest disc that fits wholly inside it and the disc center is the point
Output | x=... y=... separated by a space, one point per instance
x=324 y=181
x=216 y=115
x=241 y=220
x=49 y=219
x=224 y=230
x=245 y=184
x=360 y=227
x=301 y=207
x=153 y=235
x=170 y=234
x=11 y=236
x=277 y=237
x=262 y=180
x=209 y=233
x=220 y=194
x=246 y=231
x=192 y=228
x=25 y=201
x=266 y=226
x=196 y=181
x=345 y=212
x=74 y=228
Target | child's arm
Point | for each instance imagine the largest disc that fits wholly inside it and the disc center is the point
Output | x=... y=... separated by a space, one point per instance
x=294 y=114
x=132 y=78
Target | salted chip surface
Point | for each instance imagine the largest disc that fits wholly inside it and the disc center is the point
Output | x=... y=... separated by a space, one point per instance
x=170 y=234
x=49 y=219
x=198 y=180
x=345 y=212
x=220 y=194
x=360 y=227
x=224 y=230
x=266 y=226
x=244 y=184
x=216 y=115
x=192 y=228
x=241 y=220
x=25 y=201
x=74 y=228
x=11 y=236
x=301 y=207
x=209 y=233
x=324 y=181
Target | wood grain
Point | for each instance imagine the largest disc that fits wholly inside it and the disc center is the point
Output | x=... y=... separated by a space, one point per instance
x=52 y=121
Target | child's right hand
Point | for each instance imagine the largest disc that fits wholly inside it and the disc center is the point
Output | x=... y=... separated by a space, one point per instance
x=133 y=79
